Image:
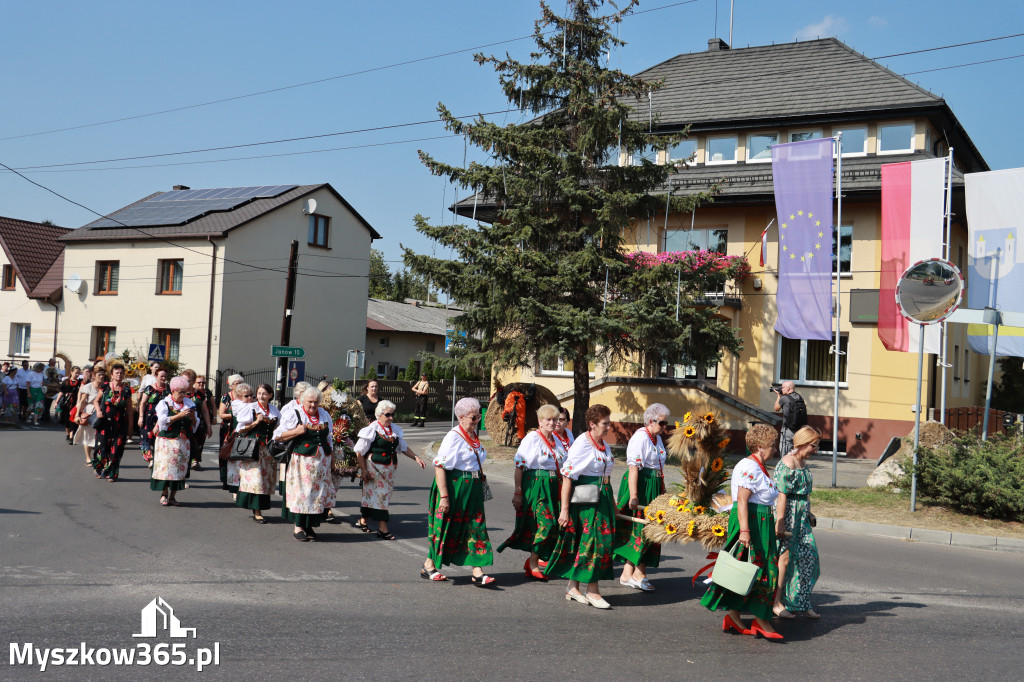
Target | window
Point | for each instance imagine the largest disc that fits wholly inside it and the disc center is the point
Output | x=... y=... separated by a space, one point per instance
x=684 y=151
x=639 y=156
x=9 y=278
x=385 y=342
x=678 y=371
x=855 y=140
x=759 y=146
x=170 y=339
x=104 y=341
x=319 y=231
x=107 y=275
x=382 y=369
x=809 y=362
x=170 y=276
x=562 y=366
x=845 y=250
x=431 y=345
x=967 y=365
x=21 y=338
x=803 y=135
x=896 y=138
x=711 y=239
x=721 y=150
x=956 y=363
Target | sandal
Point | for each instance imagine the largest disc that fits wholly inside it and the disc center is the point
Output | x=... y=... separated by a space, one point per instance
x=385 y=536
x=173 y=502
x=434 y=575
x=482 y=581
x=362 y=526
x=163 y=501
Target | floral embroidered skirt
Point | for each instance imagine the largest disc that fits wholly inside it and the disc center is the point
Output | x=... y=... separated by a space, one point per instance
x=460 y=536
x=537 y=521
x=766 y=555
x=35 y=400
x=232 y=475
x=804 y=568
x=256 y=481
x=630 y=543
x=170 y=462
x=376 y=496
x=583 y=550
x=309 y=488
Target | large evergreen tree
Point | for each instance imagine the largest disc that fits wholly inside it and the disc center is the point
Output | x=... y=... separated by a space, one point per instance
x=549 y=276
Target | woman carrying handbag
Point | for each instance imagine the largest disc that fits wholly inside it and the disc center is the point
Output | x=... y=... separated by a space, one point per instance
x=752 y=525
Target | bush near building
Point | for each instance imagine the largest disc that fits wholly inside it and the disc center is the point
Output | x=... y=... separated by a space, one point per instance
x=979 y=477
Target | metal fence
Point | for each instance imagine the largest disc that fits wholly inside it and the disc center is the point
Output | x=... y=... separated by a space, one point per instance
x=255 y=377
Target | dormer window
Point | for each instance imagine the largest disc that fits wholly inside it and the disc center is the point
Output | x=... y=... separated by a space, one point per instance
x=721 y=150
x=896 y=138
x=685 y=151
x=855 y=140
x=759 y=146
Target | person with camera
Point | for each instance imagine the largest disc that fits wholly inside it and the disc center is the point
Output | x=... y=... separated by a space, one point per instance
x=794 y=414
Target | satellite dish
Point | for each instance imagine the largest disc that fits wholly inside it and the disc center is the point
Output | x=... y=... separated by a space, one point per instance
x=310 y=206
x=74 y=284
x=929 y=291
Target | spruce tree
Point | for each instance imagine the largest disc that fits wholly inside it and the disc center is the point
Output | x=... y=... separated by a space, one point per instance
x=549 y=276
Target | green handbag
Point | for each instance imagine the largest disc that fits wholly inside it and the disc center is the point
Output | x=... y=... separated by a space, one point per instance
x=733 y=574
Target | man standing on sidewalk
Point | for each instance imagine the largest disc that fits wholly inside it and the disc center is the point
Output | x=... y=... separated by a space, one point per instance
x=794 y=414
x=422 y=390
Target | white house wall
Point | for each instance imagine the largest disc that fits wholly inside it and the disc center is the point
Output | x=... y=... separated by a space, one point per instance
x=17 y=308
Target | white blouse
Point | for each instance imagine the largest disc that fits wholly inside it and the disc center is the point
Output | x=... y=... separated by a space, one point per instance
x=747 y=474
x=534 y=454
x=247 y=414
x=642 y=453
x=586 y=460
x=290 y=418
x=286 y=409
x=163 y=412
x=368 y=433
x=455 y=453
x=34 y=380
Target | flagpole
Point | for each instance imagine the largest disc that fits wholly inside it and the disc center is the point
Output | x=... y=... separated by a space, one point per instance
x=838 y=268
x=947 y=253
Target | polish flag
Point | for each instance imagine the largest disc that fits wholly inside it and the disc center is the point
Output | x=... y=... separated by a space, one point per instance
x=913 y=224
x=764 y=243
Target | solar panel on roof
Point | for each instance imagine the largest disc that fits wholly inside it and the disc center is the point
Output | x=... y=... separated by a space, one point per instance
x=178 y=207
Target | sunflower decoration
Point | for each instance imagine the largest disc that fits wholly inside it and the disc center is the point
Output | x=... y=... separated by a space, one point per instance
x=689 y=432
x=659 y=516
x=718 y=531
x=717 y=464
x=672 y=502
x=698 y=510
x=671 y=528
x=709 y=418
x=691 y=528
x=129 y=370
x=686 y=418
x=681 y=508
x=724 y=444
x=341 y=406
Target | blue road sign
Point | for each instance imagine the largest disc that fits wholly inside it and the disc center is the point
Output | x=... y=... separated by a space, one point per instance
x=296 y=372
x=156 y=353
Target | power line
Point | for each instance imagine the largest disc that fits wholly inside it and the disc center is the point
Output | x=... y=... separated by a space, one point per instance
x=946 y=47
x=958 y=66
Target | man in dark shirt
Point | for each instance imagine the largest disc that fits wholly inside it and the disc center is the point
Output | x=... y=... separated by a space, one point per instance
x=794 y=415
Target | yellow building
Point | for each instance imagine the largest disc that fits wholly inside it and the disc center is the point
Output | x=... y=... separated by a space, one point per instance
x=738 y=103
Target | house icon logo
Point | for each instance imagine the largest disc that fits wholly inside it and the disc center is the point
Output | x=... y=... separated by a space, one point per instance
x=158 y=618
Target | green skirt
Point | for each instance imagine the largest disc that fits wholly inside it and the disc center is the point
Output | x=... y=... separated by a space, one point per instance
x=307 y=520
x=159 y=484
x=252 y=501
x=630 y=543
x=766 y=555
x=537 y=521
x=460 y=536
x=583 y=550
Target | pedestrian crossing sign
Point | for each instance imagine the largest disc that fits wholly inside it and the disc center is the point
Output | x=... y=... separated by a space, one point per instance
x=156 y=353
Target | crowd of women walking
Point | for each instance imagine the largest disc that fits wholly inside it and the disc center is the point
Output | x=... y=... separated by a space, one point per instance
x=569 y=521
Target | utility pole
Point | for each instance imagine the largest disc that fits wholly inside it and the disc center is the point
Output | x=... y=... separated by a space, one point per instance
x=286 y=322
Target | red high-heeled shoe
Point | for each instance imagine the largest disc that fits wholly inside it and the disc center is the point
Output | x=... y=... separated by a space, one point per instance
x=729 y=624
x=756 y=630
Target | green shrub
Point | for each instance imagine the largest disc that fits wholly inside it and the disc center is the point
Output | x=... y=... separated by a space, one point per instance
x=985 y=478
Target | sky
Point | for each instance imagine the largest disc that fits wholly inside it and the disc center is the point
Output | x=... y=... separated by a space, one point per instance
x=70 y=65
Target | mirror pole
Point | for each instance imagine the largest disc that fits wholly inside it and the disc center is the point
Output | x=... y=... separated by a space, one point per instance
x=917 y=417
x=991 y=372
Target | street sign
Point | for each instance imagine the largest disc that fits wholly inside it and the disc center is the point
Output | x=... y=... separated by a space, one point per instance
x=453 y=338
x=156 y=353
x=356 y=358
x=287 y=352
x=296 y=372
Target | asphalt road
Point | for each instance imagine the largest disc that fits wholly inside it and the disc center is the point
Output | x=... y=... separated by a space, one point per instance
x=80 y=559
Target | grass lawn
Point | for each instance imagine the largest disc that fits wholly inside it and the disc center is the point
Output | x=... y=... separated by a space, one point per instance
x=879 y=505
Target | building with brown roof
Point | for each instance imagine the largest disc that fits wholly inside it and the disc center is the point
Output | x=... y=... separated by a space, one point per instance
x=202 y=273
x=32 y=264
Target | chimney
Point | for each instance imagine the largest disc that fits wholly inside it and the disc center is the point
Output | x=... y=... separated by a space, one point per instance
x=717 y=45
x=181 y=187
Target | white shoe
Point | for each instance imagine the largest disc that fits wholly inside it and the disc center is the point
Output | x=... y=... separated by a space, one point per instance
x=646 y=585
x=569 y=596
x=597 y=603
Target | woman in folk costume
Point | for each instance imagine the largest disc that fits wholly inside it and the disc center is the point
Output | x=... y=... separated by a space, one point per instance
x=377 y=452
x=94 y=379
x=243 y=399
x=456 y=527
x=227 y=422
x=536 y=493
x=562 y=431
x=643 y=481
x=310 y=489
x=583 y=551
x=113 y=404
x=149 y=396
x=36 y=393
x=67 y=401
x=752 y=524
x=282 y=468
x=258 y=476
x=201 y=396
x=175 y=423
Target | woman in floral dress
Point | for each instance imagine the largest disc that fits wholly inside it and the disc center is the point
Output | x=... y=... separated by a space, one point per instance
x=257 y=477
x=149 y=396
x=583 y=551
x=227 y=422
x=456 y=526
x=536 y=493
x=114 y=407
x=175 y=423
x=309 y=486
x=377 y=453
x=643 y=481
x=67 y=401
x=799 y=566
x=752 y=524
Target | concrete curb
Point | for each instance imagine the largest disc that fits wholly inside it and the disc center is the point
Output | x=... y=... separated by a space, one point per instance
x=935 y=537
